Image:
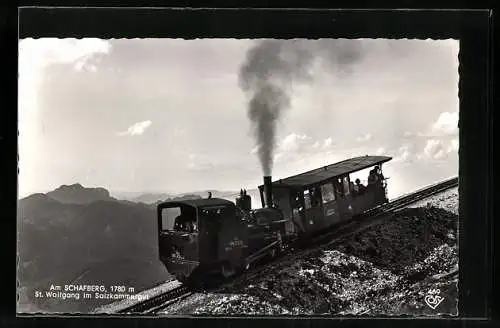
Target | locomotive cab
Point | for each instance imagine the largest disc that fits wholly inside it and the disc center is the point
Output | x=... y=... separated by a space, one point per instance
x=178 y=237
x=200 y=236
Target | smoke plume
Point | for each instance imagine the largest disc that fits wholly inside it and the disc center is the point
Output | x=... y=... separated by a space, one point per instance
x=267 y=75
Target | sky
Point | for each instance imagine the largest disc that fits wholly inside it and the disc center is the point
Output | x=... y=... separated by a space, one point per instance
x=168 y=115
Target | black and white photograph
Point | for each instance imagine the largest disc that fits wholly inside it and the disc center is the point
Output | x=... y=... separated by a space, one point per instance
x=238 y=177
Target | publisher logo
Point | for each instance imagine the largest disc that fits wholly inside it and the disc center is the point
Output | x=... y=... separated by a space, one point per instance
x=432 y=299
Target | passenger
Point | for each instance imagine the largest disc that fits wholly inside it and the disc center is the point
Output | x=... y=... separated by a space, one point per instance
x=338 y=193
x=185 y=224
x=380 y=176
x=360 y=186
x=179 y=223
x=189 y=226
x=338 y=188
x=209 y=194
x=353 y=187
x=314 y=197
x=372 y=178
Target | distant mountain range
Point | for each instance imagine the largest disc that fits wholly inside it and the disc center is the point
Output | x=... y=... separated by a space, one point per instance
x=153 y=198
x=81 y=235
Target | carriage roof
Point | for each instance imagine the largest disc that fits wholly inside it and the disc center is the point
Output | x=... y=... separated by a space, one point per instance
x=330 y=171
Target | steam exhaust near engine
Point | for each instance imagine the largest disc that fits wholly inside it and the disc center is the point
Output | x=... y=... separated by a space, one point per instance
x=268 y=193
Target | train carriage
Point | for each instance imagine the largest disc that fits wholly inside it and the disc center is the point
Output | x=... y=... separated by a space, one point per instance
x=320 y=198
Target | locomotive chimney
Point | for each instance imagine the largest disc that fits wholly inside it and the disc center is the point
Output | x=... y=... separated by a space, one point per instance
x=268 y=191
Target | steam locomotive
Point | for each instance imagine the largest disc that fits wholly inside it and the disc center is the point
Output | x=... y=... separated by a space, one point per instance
x=212 y=235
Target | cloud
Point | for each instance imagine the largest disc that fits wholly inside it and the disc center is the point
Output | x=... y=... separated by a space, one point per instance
x=453 y=145
x=408 y=134
x=295 y=146
x=409 y=152
x=38 y=54
x=35 y=55
x=403 y=154
x=379 y=151
x=199 y=163
x=425 y=151
x=83 y=65
x=327 y=142
x=445 y=126
x=434 y=149
x=447 y=123
x=436 y=143
x=136 y=129
x=438 y=149
x=299 y=150
x=364 y=138
x=294 y=143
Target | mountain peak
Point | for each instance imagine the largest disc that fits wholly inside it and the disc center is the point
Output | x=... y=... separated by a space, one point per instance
x=78 y=194
x=72 y=186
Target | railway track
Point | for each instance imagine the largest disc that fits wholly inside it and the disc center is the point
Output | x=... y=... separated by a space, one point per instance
x=159 y=302
x=362 y=222
x=406 y=200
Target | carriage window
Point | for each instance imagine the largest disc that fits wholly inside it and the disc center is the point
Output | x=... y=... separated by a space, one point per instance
x=168 y=216
x=307 y=199
x=345 y=184
x=327 y=192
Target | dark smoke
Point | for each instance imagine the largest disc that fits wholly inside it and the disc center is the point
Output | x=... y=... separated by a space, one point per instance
x=267 y=75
